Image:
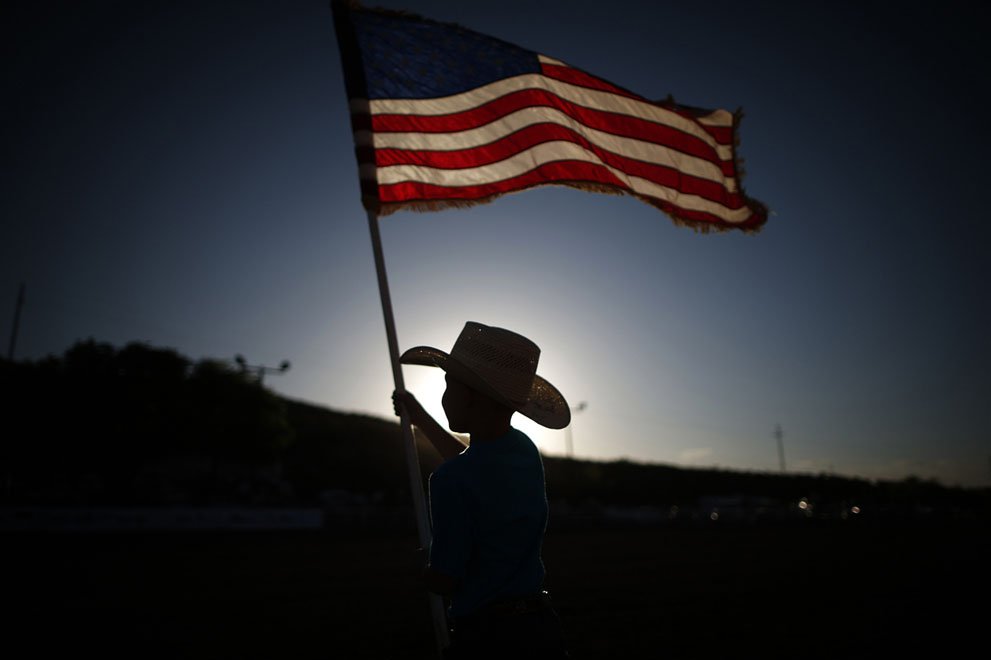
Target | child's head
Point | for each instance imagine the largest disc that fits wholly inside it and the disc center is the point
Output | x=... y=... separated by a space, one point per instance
x=496 y=370
x=468 y=409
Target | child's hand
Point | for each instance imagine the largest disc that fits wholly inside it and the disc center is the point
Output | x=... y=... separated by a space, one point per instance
x=406 y=400
x=398 y=401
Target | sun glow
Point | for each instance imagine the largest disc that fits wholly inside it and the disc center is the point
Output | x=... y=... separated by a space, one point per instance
x=427 y=384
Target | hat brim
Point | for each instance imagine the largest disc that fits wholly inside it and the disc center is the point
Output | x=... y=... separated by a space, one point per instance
x=545 y=404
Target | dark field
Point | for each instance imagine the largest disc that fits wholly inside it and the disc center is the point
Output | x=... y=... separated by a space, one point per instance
x=783 y=592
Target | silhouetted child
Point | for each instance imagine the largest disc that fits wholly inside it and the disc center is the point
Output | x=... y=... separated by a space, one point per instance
x=488 y=504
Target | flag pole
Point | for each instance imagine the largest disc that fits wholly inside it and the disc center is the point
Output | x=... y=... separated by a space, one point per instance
x=412 y=461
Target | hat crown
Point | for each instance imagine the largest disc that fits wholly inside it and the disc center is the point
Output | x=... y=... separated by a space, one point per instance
x=504 y=359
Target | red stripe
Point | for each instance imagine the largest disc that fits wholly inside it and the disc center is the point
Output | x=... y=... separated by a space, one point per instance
x=541 y=133
x=566 y=172
x=582 y=79
x=722 y=134
x=569 y=173
x=556 y=172
x=610 y=122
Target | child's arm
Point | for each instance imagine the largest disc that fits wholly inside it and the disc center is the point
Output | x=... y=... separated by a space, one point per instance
x=447 y=445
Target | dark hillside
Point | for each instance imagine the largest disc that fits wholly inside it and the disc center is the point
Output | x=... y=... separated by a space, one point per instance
x=147 y=426
x=349 y=452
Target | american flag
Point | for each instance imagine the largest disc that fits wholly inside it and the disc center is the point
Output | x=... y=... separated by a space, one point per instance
x=444 y=116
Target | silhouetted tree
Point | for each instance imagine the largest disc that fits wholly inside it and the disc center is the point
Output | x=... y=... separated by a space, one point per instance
x=83 y=426
x=101 y=415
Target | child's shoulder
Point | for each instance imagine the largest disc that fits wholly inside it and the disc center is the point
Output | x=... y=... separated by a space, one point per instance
x=454 y=466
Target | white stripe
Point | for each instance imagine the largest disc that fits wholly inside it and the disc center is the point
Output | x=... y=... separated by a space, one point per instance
x=648 y=152
x=532 y=158
x=589 y=98
x=722 y=118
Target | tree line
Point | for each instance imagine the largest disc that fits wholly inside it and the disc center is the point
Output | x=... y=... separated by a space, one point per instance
x=144 y=425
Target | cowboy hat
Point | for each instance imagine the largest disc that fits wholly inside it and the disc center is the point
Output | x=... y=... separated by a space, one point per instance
x=502 y=365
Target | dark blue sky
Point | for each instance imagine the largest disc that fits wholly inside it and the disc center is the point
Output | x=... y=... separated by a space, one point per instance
x=182 y=173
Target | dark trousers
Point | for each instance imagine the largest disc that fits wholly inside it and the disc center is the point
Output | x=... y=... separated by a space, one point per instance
x=510 y=637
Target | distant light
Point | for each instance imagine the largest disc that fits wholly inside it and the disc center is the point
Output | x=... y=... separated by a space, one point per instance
x=714 y=515
x=803 y=505
x=855 y=509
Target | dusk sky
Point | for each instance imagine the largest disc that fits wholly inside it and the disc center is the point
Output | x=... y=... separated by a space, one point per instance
x=182 y=173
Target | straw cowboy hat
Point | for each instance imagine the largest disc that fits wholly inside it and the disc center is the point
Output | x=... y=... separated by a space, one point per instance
x=500 y=364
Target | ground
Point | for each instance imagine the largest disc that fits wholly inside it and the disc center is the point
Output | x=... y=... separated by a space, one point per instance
x=778 y=592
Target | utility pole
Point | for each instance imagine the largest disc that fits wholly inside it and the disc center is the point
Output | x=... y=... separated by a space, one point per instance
x=17 y=323
x=780 y=435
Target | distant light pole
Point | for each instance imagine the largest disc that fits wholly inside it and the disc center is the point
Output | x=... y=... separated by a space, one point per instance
x=780 y=435
x=260 y=370
x=570 y=449
x=17 y=323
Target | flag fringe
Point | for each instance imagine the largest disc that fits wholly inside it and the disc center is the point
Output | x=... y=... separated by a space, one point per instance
x=426 y=206
x=738 y=166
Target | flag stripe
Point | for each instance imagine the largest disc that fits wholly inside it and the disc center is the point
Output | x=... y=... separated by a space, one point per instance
x=523 y=162
x=670 y=172
x=537 y=103
x=578 y=96
x=639 y=149
x=582 y=79
x=718 y=123
x=561 y=172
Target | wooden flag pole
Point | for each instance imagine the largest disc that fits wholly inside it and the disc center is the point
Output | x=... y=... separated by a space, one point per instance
x=412 y=461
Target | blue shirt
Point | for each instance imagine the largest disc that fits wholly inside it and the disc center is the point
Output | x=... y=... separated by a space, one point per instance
x=488 y=507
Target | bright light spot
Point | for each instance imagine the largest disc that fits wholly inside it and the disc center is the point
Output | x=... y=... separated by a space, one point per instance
x=855 y=509
x=427 y=384
x=547 y=440
x=803 y=505
x=714 y=515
